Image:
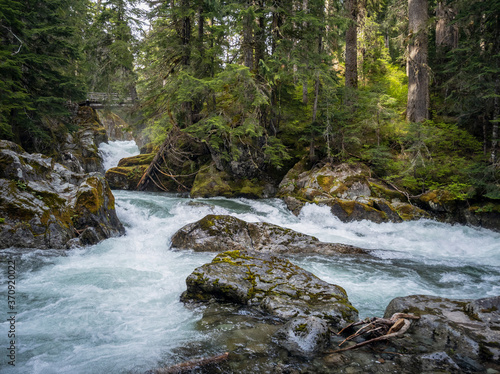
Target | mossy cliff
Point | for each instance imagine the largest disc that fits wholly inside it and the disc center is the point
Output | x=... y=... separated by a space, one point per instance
x=271 y=284
x=43 y=204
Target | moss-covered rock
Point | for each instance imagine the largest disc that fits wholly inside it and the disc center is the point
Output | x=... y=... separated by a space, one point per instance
x=79 y=149
x=219 y=233
x=350 y=190
x=272 y=284
x=45 y=205
x=210 y=182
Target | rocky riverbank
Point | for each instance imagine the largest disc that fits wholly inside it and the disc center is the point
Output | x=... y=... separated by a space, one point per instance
x=57 y=203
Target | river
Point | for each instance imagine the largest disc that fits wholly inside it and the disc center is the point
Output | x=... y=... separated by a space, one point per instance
x=114 y=307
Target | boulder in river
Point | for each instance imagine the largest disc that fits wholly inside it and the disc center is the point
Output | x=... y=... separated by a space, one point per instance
x=270 y=283
x=129 y=172
x=349 y=190
x=219 y=233
x=45 y=205
x=453 y=335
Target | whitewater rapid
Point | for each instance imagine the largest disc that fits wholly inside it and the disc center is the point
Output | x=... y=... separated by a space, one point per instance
x=114 y=307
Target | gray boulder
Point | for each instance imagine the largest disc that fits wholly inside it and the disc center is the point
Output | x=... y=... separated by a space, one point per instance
x=219 y=233
x=270 y=283
x=45 y=205
x=453 y=335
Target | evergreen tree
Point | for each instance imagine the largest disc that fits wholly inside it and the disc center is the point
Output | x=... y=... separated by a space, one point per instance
x=40 y=56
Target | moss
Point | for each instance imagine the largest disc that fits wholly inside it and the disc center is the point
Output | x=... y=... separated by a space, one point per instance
x=489 y=310
x=326 y=182
x=384 y=192
x=142 y=159
x=301 y=328
x=468 y=311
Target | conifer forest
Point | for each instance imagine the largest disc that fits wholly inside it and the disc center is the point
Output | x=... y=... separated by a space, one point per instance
x=410 y=88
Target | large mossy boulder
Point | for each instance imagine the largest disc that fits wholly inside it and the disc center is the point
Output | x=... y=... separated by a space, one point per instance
x=460 y=336
x=270 y=283
x=219 y=233
x=43 y=204
x=210 y=182
x=129 y=172
x=349 y=190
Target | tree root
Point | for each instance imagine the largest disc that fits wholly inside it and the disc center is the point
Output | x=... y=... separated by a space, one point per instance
x=387 y=329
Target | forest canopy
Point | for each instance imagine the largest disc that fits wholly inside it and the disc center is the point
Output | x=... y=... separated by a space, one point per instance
x=411 y=88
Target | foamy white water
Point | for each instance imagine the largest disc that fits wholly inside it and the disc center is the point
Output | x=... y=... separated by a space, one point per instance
x=115 y=150
x=114 y=307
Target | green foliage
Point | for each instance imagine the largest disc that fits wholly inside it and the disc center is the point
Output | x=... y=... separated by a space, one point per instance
x=435 y=155
x=39 y=57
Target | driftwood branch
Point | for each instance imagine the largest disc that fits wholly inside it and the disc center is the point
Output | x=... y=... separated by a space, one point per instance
x=189 y=366
x=391 y=328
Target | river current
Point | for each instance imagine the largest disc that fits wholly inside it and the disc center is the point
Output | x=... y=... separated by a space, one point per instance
x=114 y=307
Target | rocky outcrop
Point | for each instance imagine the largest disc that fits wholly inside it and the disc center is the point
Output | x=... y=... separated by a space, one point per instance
x=115 y=126
x=451 y=335
x=43 y=204
x=219 y=233
x=79 y=150
x=350 y=192
x=445 y=207
x=211 y=181
x=270 y=283
x=129 y=172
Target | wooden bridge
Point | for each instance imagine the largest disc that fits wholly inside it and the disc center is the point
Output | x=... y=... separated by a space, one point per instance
x=101 y=100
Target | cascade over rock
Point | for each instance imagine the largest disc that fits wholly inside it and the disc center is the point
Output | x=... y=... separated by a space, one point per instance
x=43 y=204
x=270 y=283
x=349 y=190
x=219 y=233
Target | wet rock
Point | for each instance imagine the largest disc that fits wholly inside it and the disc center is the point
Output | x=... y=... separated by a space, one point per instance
x=453 y=335
x=272 y=284
x=349 y=190
x=129 y=172
x=303 y=336
x=45 y=205
x=219 y=233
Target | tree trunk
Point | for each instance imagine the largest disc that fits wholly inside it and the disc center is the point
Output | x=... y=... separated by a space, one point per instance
x=247 y=43
x=417 y=109
x=446 y=33
x=351 y=45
